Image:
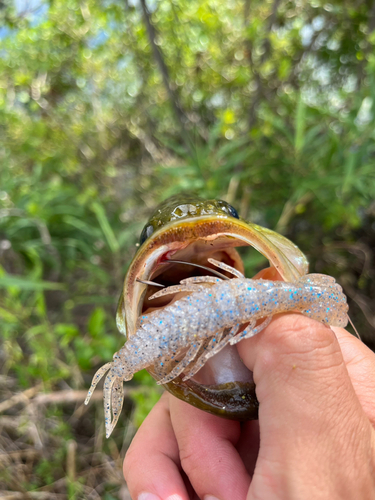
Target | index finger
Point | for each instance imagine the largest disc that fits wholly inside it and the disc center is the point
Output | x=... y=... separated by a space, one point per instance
x=207 y=445
x=152 y=466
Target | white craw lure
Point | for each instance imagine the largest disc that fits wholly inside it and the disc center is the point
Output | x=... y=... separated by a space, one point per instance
x=182 y=336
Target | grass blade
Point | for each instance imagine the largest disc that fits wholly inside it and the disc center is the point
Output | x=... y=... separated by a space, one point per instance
x=27 y=284
x=106 y=227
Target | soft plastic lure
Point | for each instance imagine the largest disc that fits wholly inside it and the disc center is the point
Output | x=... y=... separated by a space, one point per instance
x=181 y=337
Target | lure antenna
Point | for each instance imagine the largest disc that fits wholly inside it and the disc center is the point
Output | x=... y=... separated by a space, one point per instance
x=354 y=328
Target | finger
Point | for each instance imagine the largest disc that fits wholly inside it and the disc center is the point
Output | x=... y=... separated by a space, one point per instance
x=208 y=454
x=151 y=465
x=360 y=363
x=309 y=414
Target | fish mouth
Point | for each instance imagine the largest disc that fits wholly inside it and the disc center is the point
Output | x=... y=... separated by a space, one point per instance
x=223 y=385
x=226 y=366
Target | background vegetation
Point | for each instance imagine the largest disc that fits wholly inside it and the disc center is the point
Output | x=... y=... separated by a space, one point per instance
x=106 y=108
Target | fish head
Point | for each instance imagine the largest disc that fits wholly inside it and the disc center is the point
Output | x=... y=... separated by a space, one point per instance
x=193 y=230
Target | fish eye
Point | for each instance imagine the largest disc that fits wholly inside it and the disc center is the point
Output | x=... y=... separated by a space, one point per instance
x=225 y=207
x=146 y=233
x=233 y=212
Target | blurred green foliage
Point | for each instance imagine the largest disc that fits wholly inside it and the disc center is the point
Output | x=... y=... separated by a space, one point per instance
x=106 y=108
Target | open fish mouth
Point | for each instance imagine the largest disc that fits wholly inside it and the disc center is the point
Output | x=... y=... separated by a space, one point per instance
x=224 y=386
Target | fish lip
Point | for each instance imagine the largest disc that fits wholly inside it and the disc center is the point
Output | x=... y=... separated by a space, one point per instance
x=179 y=234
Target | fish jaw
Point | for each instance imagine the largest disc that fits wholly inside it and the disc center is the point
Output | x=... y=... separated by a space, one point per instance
x=195 y=240
x=224 y=233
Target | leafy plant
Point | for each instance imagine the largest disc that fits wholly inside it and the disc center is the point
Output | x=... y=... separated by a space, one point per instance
x=108 y=108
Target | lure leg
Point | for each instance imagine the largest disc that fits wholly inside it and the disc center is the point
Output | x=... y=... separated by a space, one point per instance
x=161 y=371
x=190 y=355
x=117 y=399
x=201 y=353
x=177 y=288
x=107 y=396
x=248 y=333
x=96 y=378
x=230 y=269
x=200 y=279
x=221 y=343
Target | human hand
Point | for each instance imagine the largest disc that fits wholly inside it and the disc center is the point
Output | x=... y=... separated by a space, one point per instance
x=314 y=439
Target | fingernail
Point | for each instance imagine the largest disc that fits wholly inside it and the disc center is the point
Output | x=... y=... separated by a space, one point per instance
x=148 y=496
x=210 y=497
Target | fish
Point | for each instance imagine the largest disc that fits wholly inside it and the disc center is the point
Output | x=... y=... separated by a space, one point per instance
x=185 y=239
x=180 y=338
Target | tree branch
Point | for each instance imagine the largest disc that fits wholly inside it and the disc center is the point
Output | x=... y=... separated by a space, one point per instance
x=267 y=49
x=368 y=48
x=152 y=34
x=271 y=20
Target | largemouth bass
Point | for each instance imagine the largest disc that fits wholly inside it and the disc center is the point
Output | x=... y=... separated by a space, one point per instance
x=203 y=233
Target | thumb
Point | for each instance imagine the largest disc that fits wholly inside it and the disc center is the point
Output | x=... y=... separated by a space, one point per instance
x=315 y=440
